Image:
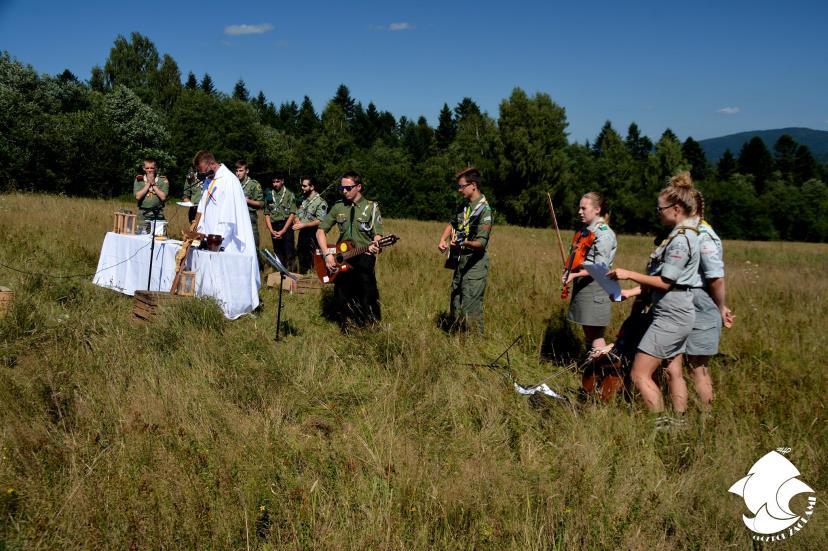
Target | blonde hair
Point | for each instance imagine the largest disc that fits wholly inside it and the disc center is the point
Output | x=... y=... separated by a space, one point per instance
x=681 y=191
x=599 y=201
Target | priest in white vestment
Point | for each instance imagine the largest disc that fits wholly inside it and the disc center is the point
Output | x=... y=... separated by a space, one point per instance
x=223 y=208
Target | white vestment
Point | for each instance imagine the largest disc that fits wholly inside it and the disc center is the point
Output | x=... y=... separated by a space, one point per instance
x=223 y=210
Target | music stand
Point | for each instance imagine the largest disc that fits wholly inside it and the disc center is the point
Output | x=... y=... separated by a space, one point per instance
x=274 y=261
x=155 y=211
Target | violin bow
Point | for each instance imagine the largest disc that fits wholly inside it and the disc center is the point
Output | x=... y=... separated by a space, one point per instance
x=557 y=229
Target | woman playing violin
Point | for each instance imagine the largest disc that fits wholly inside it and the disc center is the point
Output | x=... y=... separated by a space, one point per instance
x=671 y=272
x=590 y=306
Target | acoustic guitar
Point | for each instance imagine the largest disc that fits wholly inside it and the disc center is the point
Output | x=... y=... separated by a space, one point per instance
x=343 y=251
x=458 y=237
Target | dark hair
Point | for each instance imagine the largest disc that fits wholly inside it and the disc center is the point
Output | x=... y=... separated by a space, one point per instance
x=278 y=176
x=354 y=176
x=151 y=160
x=699 y=204
x=204 y=155
x=471 y=175
x=241 y=163
x=311 y=181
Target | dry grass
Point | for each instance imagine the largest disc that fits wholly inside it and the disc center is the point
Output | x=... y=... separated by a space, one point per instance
x=196 y=432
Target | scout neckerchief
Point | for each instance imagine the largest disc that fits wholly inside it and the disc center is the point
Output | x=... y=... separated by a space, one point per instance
x=468 y=214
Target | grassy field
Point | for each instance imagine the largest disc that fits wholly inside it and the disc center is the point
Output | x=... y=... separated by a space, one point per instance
x=198 y=432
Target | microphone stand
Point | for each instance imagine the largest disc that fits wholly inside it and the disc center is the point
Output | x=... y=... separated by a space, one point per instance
x=155 y=211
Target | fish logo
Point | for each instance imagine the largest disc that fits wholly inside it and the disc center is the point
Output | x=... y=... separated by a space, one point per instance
x=767 y=489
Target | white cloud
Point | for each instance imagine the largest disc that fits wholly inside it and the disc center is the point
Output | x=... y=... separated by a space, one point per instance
x=729 y=110
x=235 y=30
x=403 y=26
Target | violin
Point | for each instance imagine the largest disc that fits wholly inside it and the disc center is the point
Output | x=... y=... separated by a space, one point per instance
x=578 y=249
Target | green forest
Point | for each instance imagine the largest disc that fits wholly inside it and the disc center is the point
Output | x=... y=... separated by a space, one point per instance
x=63 y=134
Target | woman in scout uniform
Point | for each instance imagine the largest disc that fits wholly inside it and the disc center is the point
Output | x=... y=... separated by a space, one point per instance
x=356 y=297
x=671 y=273
x=590 y=306
x=471 y=225
x=280 y=212
x=711 y=310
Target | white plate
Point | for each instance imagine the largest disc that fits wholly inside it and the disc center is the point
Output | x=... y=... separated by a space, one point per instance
x=185 y=204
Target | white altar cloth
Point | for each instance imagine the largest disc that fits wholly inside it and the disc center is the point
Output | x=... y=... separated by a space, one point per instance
x=232 y=279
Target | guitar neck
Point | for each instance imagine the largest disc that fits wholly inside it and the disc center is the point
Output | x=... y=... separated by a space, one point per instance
x=355 y=252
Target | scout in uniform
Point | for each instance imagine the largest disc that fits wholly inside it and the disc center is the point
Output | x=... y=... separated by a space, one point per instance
x=193 y=188
x=151 y=191
x=311 y=212
x=470 y=225
x=356 y=296
x=711 y=309
x=671 y=273
x=252 y=194
x=590 y=306
x=280 y=212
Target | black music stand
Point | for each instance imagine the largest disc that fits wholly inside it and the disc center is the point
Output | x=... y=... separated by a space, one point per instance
x=274 y=261
x=155 y=211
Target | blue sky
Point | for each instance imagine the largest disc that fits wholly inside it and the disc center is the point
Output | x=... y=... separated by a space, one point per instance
x=701 y=68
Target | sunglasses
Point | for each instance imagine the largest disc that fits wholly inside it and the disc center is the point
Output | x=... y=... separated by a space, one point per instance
x=346 y=188
x=659 y=209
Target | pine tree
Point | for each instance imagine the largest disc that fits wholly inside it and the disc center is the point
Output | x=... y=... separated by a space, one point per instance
x=727 y=166
x=207 y=85
x=785 y=155
x=67 y=76
x=754 y=158
x=240 y=91
x=805 y=166
x=639 y=146
x=446 y=127
x=466 y=107
x=307 y=122
x=694 y=154
x=345 y=102
x=192 y=83
x=288 y=118
x=97 y=81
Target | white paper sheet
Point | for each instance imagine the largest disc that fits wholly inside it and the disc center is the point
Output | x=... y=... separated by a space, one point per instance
x=598 y=272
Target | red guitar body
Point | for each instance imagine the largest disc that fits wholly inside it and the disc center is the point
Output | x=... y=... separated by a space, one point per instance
x=342 y=251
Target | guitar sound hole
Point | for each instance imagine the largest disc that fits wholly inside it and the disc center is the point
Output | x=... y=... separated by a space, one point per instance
x=339 y=259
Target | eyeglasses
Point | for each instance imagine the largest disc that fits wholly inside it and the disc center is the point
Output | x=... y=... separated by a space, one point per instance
x=462 y=186
x=346 y=188
x=659 y=209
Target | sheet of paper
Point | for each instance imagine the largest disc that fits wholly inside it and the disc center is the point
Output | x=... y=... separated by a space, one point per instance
x=598 y=272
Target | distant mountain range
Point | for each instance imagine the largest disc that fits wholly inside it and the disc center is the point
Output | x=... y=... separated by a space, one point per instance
x=816 y=140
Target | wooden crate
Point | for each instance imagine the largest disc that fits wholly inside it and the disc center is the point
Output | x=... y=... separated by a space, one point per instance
x=308 y=283
x=304 y=284
x=147 y=304
x=6 y=298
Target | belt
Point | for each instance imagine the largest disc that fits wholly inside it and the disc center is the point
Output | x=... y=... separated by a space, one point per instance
x=680 y=287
